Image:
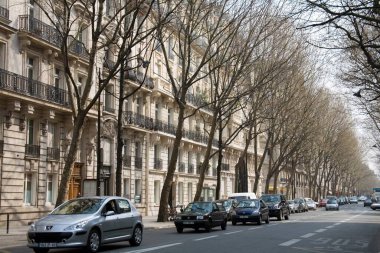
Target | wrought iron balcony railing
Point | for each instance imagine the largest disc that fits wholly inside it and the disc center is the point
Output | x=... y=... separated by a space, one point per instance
x=195 y=136
x=50 y=34
x=25 y=86
x=4 y=12
x=164 y=127
x=138 y=76
x=53 y=153
x=157 y=164
x=138 y=163
x=32 y=150
x=198 y=101
x=1 y=147
x=132 y=118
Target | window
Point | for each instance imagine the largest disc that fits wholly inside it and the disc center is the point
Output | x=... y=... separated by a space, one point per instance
x=80 y=84
x=158 y=68
x=138 y=149
x=233 y=184
x=107 y=152
x=2 y=55
x=189 y=192
x=33 y=9
x=51 y=188
x=180 y=193
x=124 y=206
x=170 y=116
x=139 y=105
x=30 y=138
x=171 y=48
x=29 y=189
x=30 y=72
x=137 y=190
x=157 y=111
x=110 y=8
x=53 y=135
x=108 y=99
x=157 y=191
x=127 y=188
x=58 y=80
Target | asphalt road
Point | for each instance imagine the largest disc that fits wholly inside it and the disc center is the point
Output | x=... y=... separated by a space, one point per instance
x=352 y=229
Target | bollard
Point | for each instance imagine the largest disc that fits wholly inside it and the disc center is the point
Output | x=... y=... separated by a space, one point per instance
x=7 y=223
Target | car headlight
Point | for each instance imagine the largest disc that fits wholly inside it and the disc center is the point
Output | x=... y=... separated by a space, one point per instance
x=178 y=218
x=77 y=226
x=32 y=227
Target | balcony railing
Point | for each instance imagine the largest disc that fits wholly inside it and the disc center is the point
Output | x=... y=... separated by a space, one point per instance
x=127 y=160
x=32 y=150
x=190 y=168
x=132 y=118
x=25 y=86
x=198 y=101
x=225 y=166
x=4 y=12
x=53 y=153
x=138 y=163
x=1 y=147
x=164 y=127
x=138 y=76
x=51 y=35
x=157 y=164
x=195 y=136
x=182 y=167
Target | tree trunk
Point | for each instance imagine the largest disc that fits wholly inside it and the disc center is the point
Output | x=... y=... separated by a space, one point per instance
x=119 y=150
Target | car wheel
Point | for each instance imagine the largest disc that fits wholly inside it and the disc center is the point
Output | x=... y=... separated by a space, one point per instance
x=279 y=217
x=93 y=242
x=260 y=221
x=224 y=225
x=233 y=222
x=267 y=220
x=137 y=236
x=180 y=229
x=40 y=250
x=287 y=217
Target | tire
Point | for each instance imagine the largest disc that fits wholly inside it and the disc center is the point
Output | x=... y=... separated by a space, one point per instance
x=287 y=215
x=180 y=229
x=93 y=241
x=39 y=250
x=267 y=220
x=224 y=225
x=233 y=221
x=137 y=236
x=279 y=216
x=260 y=221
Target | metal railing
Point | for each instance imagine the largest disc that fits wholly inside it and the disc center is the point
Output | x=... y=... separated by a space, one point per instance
x=164 y=127
x=132 y=118
x=32 y=150
x=17 y=217
x=25 y=86
x=53 y=153
x=4 y=12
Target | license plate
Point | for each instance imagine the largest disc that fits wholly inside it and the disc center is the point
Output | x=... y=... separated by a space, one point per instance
x=47 y=245
x=188 y=222
x=243 y=216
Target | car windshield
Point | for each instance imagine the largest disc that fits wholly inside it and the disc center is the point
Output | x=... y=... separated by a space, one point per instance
x=331 y=201
x=203 y=207
x=79 y=206
x=291 y=201
x=309 y=201
x=270 y=198
x=248 y=203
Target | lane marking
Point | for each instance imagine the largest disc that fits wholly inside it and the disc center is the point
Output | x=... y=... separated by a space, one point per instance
x=290 y=242
x=234 y=232
x=308 y=235
x=336 y=224
x=205 y=238
x=330 y=226
x=155 y=248
x=320 y=230
x=253 y=228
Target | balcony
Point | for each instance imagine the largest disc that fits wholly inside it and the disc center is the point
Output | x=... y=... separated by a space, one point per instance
x=138 y=77
x=1 y=147
x=195 y=136
x=138 y=163
x=32 y=150
x=182 y=167
x=4 y=13
x=51 y=35
x=53 y=154
x=190 y=168
x=225 y=167
x=139 y=120
x=198 y=101
x=157 y=164
x=127 y=161
x=25 y=86
x=164 y=127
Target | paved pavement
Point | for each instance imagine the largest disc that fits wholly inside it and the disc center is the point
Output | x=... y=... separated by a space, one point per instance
x=17 y=235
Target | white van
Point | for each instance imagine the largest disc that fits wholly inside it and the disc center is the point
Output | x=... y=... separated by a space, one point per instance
x=242 y=195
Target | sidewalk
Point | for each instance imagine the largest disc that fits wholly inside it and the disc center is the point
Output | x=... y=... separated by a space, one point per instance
x=17 y=235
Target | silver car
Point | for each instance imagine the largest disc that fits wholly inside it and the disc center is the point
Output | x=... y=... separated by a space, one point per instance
x=87 y=222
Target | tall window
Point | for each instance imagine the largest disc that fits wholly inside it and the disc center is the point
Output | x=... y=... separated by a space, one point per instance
x=156 y=148
x=108 y=99
x=107 y=152
x=53 y=135
x=30 y=132
x=139 y=105
x=171 y=48
x=80 y=84
x=138 y=149
x=33 y=9
x=170 y=116
x=110 y=8
x=180 y=193
x=30 y=68
x=127 y=188
x=157 y=190
x=189 y=192
x=138 y=190
x=2 y=55
x=29 y=189
x=51 y=188
x=157 y=111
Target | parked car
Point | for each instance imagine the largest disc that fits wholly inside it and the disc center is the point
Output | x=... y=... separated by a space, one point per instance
x=250 y=210
x=87 y=222
x=353 y=200
x=375 y=204
x=278 y=205
x=332 y=204
x=300 y=205
x=292 y=206
x=322 y=202
x=242 y=195
x=201 y=215
x=367 y=202
x=311 y=204
x=228 y=204
x=362 y=198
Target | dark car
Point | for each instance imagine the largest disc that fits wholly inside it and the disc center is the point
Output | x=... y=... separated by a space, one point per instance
x=278 y=205
x=250 y=210
x=201 y=215
x=228 y=204
x=367 y=202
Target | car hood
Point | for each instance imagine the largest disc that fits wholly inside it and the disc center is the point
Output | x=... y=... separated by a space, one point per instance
x=271 y=204
x=245 y=210
x=192 y=214
x=62 y=219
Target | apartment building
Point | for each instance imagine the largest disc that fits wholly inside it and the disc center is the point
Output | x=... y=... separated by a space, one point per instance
x=36 y=124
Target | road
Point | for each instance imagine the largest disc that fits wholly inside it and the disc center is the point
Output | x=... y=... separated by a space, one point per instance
x=352 y=229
